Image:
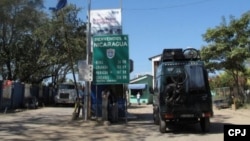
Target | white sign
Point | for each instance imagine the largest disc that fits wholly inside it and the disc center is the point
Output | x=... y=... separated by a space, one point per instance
x=106 y=21
x=85 y=71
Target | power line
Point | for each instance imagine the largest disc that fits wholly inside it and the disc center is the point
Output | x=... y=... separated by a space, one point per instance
x=168 y=7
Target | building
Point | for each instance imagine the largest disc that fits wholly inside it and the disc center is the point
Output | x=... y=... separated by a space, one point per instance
x=140 y=84
x=155 y=61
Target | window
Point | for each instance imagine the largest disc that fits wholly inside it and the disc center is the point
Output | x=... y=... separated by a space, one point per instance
x=66 y=86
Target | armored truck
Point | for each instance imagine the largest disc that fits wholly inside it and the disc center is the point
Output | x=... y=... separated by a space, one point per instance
x=182 y=92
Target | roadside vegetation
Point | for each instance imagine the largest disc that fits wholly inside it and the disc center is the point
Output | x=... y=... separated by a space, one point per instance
x=228 y=52
x=37 y=44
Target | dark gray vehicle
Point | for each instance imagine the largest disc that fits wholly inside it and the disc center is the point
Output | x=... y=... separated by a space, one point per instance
x=182 y=93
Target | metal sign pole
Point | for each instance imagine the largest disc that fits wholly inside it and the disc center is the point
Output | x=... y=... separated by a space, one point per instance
x=88 y=86
x=126 y=108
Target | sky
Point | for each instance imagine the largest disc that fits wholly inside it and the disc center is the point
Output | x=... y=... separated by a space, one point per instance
x=153 y=25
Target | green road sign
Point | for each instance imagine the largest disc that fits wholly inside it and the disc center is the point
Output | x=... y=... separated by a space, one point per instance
x=110 y=59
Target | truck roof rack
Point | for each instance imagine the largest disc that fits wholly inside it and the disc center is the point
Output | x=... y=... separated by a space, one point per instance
x=179 y=54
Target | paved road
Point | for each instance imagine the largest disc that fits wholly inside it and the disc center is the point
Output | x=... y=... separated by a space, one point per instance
x=56 y=124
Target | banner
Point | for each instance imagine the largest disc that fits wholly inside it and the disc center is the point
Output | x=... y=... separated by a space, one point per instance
x=106 y=22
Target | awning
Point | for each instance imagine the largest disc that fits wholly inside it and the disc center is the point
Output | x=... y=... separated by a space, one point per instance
x=137 y=86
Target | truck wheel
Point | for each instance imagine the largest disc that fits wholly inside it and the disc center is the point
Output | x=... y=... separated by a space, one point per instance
x=156 y=117
x=162 y=126
x=205 y=124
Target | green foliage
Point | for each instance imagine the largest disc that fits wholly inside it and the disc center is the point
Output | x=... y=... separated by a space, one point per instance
x=222 y=80
x=228 y=45
x=35 y=46
x=227 y=49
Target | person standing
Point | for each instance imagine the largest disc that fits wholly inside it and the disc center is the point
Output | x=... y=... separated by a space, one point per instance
x=105 y=106
x=138 y=96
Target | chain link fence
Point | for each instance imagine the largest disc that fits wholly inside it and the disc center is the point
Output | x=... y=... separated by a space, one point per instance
x=227 y=96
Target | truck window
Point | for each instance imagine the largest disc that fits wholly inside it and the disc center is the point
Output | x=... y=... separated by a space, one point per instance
x=66 y=86
x=196 y=79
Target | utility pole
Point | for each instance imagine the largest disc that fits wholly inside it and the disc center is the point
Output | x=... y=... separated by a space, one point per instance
x=86 y=111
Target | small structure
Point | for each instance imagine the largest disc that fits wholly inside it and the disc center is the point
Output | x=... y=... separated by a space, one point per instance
x=155 y=61
x=140 y=84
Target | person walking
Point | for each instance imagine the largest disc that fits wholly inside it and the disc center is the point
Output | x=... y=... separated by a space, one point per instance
x=138 y=96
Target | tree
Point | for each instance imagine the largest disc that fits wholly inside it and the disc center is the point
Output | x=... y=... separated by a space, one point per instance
x=33 y=46
x=64 y=39
x=18 y=20
x=228 y=47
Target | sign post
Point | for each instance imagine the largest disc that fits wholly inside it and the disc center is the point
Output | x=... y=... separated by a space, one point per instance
x=111 y=59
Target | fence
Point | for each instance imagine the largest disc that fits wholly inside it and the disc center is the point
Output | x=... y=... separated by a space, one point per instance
x=14 y=95
x=227 y=93
x=223 y=92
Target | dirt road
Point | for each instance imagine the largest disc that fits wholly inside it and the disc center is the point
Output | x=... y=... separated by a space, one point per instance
x=50 y=123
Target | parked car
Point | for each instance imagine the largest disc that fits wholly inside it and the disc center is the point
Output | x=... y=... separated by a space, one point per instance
x=222 y=103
